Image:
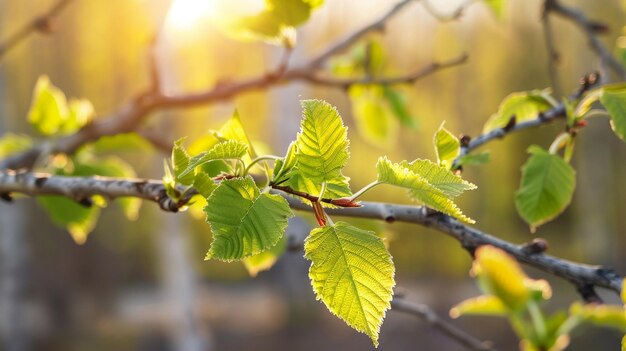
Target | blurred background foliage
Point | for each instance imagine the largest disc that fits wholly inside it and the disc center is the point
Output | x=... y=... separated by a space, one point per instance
x=115 y=292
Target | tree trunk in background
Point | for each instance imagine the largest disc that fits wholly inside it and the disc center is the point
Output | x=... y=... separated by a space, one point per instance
x=179 y=283
x=13 y=264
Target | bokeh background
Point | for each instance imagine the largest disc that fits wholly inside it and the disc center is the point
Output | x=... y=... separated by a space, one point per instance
x=144 y=284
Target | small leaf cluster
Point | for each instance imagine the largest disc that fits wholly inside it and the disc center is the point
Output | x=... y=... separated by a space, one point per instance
x=351 y=271
x=510 y=293
x=52 y=116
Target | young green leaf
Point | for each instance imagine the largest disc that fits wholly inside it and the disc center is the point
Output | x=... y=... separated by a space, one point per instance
x=180 y=162
x=605 y=315
x=50 y=112
x=441 y=178
x=227 y=150
x=546 y=188
x=487 y=305
x=48 y=109
x=524 y=106
x=233 y=130
x=447 y=146
x=203 y=184
x=474 y=159
x=374 y=120
x=615 y=103
x=322 y=144
x=501 y=276
x=66 y=213
x=401 y=174
x=244 y=221
x=266 y=259
x=352 y=273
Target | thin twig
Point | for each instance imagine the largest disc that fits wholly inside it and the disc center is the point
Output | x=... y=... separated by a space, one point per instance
x=591 y=29
x=425 y=313
x=42 y=24
x=553 y=54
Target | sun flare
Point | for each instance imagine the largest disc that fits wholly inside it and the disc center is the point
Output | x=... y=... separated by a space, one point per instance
x=186 y=14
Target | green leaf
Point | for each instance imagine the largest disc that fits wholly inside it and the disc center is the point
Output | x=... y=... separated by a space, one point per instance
x=266 y=259
x=274 y=23
x=81 y=112
x=352 y=273
x=546 y=189
x=203 y=184
x=398 y=103
x=233 y=130
x=615 y=103
x=65 y=213
x=180 y=162
x=14 y=143
x=441 y=178
x=374 y=120
x=488 y=305
x=244 y=221
x=603 y=315
x=524 y=106
x=48 y=109
x=447 y=146
x=474 y=159
x=403 y=175
x=51 y=114
x=285 y=166
x=322 y=144
x=227 y=150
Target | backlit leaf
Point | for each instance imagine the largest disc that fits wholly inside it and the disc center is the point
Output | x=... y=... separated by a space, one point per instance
x=352 y=273
x=48 y=109
x=501 y=276
x=449 y=183
x=546 y=188
x=605 y=315
x=66 y=213
x=524 y=106
x=226 y=150
x=266 y=259
x=180 y=162
x=322 y=144
x=401 y=174
x=373 y=118
x=482 y=305
x=447 y=146
x=615 y=103
x=244 y=221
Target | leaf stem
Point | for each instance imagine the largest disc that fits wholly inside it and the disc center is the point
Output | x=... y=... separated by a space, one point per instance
x=259 y=159
x=538 y=320
x=364 y=190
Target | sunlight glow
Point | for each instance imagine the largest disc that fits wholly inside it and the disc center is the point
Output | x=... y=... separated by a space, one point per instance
x=187 y=14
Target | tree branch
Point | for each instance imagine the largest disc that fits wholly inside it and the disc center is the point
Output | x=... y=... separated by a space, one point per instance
x=591 y=29
x=129 y=117
x=425 y=313
x=79 y=188
x=42 y=24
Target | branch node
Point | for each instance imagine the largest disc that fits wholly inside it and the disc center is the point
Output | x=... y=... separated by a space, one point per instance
x=536 y=246
x=86 y=202
x=510 y=124
x=588 y=293
x=465 y=140
x=40 y=181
